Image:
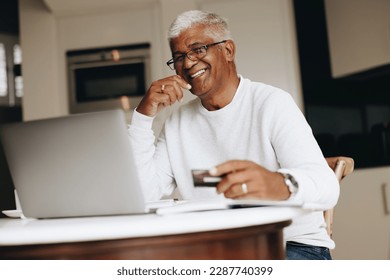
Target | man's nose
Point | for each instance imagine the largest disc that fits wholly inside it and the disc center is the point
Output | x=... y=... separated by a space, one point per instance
x=188 y=63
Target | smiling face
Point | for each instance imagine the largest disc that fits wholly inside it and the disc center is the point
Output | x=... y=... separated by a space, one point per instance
x=212 y=76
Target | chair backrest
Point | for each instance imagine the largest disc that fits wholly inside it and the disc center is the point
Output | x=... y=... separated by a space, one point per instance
x=342 y=166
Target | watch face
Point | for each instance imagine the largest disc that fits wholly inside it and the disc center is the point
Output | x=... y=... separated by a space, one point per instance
x=291 y=183
x=293 y=188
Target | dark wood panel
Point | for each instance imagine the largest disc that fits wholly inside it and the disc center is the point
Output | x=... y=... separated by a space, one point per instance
x=256 y=242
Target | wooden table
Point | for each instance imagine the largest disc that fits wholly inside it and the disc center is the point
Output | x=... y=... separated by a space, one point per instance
x=252 y=233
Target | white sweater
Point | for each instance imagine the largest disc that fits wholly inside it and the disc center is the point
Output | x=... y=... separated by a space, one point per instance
x=261 y=124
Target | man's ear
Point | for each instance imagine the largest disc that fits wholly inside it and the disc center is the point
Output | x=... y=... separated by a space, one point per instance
x=230 y=50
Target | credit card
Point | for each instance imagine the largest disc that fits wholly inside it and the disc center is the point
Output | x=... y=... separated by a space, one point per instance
x=202 y=178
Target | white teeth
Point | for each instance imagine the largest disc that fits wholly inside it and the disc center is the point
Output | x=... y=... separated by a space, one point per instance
x=200 y=72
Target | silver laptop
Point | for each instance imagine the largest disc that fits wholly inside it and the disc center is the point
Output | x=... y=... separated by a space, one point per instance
x=79 y=165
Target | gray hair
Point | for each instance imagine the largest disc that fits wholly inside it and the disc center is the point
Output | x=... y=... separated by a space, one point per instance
x=219 y=27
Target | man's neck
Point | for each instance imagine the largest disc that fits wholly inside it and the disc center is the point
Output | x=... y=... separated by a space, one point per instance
x=223 y=97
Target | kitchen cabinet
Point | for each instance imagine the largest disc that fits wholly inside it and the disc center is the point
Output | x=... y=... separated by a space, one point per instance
x=362 y=219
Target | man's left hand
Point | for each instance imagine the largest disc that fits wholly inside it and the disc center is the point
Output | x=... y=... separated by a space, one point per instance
x=260 y=183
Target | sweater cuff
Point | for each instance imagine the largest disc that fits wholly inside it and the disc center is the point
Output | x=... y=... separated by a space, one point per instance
x=141 y=121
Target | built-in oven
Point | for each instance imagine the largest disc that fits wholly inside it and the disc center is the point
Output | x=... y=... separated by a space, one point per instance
x=108 y=78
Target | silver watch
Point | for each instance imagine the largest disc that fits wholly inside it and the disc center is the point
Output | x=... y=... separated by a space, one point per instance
x=292 y=185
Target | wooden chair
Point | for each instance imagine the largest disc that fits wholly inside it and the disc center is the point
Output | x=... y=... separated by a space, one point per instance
x=342 y=166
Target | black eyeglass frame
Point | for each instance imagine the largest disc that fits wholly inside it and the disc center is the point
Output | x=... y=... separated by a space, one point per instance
x=170 y=63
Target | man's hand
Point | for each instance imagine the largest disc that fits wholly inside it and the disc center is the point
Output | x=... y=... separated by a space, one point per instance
x=162 y=93
x=260 y=182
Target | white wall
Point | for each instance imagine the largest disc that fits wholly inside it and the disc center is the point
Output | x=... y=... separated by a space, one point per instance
x=359 y=34
x=38 y=38
x=263 y=30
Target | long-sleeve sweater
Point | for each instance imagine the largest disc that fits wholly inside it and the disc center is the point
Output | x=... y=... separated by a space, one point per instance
x=262 y=124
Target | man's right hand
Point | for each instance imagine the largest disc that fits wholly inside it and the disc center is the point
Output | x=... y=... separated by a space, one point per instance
x=162 y=93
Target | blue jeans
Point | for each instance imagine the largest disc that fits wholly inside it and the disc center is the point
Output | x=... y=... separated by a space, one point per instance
x=299 y=251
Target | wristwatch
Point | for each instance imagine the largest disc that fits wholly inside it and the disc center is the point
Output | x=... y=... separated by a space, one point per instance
x=292 y=185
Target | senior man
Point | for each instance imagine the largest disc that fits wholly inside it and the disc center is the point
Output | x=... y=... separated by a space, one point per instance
x=250 y=133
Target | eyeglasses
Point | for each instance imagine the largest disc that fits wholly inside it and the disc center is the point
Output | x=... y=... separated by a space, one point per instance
x=193 y=55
